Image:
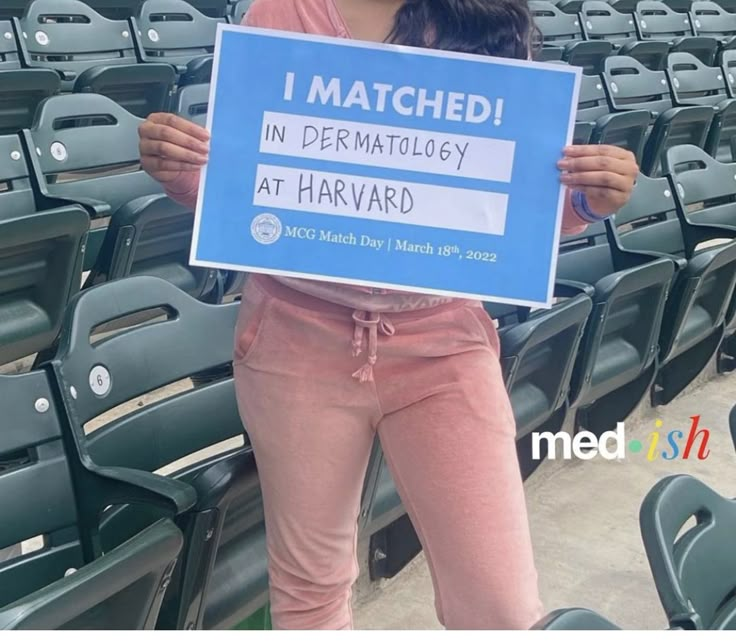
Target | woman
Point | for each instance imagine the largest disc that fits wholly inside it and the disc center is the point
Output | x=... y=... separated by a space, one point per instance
x=429 y=385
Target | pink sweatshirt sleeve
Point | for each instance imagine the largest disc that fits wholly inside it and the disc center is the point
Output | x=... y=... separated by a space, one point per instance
x=270 y=14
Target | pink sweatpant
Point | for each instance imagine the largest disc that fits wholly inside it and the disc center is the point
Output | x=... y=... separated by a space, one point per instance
x=438 y=404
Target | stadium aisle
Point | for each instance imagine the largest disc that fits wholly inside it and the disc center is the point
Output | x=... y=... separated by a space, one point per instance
x=585 y=525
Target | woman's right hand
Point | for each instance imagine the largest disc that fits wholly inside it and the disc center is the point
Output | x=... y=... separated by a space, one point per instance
x=170 y=145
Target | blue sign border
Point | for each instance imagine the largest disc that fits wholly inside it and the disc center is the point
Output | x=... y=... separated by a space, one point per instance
x=210 y=205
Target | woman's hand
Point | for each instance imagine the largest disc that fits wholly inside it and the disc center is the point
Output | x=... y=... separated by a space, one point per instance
x=604 y=173
x=170 y=145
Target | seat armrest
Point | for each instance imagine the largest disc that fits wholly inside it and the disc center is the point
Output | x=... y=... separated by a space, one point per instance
x=565 y=288
x=139 y=486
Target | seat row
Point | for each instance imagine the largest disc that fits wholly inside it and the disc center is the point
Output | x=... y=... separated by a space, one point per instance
x=651 y=30
x=122 y=9
x=66 y=46
x=648 y=111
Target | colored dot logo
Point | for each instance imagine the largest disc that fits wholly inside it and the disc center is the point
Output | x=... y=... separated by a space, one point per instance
x=635 y=446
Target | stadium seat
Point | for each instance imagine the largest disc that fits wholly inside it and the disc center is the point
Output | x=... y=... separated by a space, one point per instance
x=680 y=6
x=630 y=85
x=574 y=619
x=693 y=83
x=239 y=9
x=62 y=584
x=538 y=351
x=705 y=197
x=173 y=31
x=710 y=19
x=41 y=254
x=601 y=21
x=616 y=362
x=191 y=103
x=694 y=315
x=656 y=21
x=22 y=91
x=88 y=153
x=693 y=564
x=92 y=54
x=624 y=129
x=563 y=38
x=728 y=66
x=223 y=525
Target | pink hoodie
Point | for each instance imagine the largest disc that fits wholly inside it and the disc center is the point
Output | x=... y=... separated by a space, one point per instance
x=321 y=17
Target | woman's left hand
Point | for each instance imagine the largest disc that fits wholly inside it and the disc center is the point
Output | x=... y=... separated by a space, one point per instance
x=604 y=173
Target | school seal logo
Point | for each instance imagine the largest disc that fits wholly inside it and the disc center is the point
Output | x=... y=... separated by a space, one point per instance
x=266 y=229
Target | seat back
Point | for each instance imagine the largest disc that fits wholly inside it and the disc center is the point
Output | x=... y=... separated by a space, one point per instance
x=620 y=339
x=728 y=66
x=574 y=619
x=705 y=189
x=693 y=569
x=33 y=461
x=655 y=20
x=22 y=91
x=71 y=37
x=556 y=27
x=601 y=21
x=192 y=102
x=174 y=31
x=692 y=82
x=710 y=19
x=40 y=258
x=630 y=85
x=592 y=102
x=531 y=349
x=87 y=150
x=648 y=222
x=9 y=47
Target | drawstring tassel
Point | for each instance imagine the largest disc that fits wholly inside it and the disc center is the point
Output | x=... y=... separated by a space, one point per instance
x=365 y=373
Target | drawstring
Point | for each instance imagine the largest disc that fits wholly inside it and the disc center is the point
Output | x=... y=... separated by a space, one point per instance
x=373 y=322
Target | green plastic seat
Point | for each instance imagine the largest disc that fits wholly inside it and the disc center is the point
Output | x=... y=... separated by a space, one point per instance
x=562 y=30
x=41 y=254
x=694 y=318
x=727 y=61
x=221 y=577
x=538 y=351
x=693 y=566
x=92 y=54
x=693 y=83
x=174 y=32
x=704 y=182
x=191 y=103
x=712 y=20
x=601 y=21
x=659 y=22
x=62 y=584
x=616 y=362
x=631 y=86
x=626 y=129
x=88 y=153
x=574 y=619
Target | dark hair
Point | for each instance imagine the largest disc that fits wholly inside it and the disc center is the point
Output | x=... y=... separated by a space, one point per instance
x=503 y=28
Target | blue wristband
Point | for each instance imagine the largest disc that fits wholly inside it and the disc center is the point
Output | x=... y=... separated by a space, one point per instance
x=582 y=209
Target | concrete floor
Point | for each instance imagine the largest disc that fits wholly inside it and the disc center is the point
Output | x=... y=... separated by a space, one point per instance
x=584 y=521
